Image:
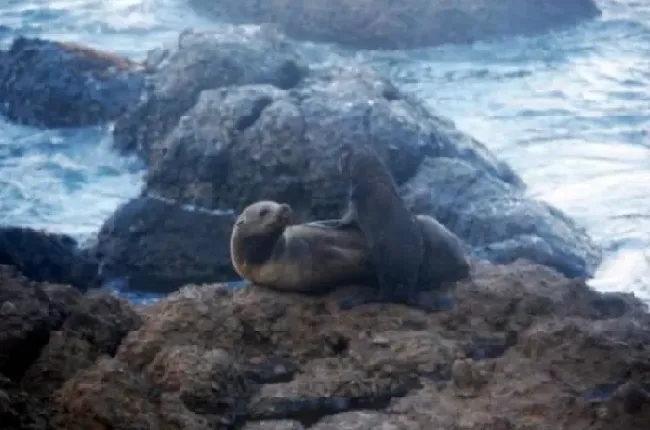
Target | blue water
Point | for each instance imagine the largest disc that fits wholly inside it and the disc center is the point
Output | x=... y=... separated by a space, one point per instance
x=570 y=110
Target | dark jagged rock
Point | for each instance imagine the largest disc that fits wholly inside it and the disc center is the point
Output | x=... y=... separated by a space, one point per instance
x=37 y=317
x=27 y=317
x=47 y=257
x=159 y=246
x=19 y=410
x=219 y=138
x=93 y=327
x=384 y=24
x=48 y=333
x=61 y=84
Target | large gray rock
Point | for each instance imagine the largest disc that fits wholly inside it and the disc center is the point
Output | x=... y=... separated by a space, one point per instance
x=497 y=219
x=244 y=141
x=57 y=84
x=157 y=246
x=388 y=24
x=236 y=55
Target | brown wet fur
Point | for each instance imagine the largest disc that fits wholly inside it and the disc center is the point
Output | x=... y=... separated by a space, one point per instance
x=391 y=232
x=267 y=249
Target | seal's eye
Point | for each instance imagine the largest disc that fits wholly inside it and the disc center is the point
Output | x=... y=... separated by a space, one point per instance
x=264 y=212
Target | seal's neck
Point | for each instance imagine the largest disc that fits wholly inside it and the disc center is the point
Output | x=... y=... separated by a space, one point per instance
x=368 y=172
x=259 y=248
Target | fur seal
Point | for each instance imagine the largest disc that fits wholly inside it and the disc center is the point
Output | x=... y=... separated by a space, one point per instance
x=392 y=234
x=267 y=249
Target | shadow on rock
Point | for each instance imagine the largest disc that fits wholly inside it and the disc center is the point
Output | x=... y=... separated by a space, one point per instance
x=207 y=357
x=48 y=333
x=34 y=316
x=62 y=84
x=382 y=24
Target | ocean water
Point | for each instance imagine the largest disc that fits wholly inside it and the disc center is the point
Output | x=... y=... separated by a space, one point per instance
x=570 y=110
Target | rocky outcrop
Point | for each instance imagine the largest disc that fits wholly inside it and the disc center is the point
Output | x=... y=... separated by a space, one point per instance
x=522 y=348
x=236 y=115
x=385 y=24
x=48 y=257
x=236 y=55
x=62 y=84
x=155 y=245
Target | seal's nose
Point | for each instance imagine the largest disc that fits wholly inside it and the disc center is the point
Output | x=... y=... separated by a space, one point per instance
x=286 y=212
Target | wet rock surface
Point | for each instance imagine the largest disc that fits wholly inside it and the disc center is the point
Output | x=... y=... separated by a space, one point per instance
x=385 y=24
x=60 y=84
x=237 y=115
x=522 y=348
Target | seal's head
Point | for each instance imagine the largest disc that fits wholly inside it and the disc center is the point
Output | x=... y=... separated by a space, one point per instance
x=264 y=217
x=359 y=161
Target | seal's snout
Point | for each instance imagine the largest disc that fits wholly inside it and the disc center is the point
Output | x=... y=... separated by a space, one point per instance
x=286 y=213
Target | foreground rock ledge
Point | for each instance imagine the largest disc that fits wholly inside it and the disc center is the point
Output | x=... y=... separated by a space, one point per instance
x=385 y=24
x=523 y=348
